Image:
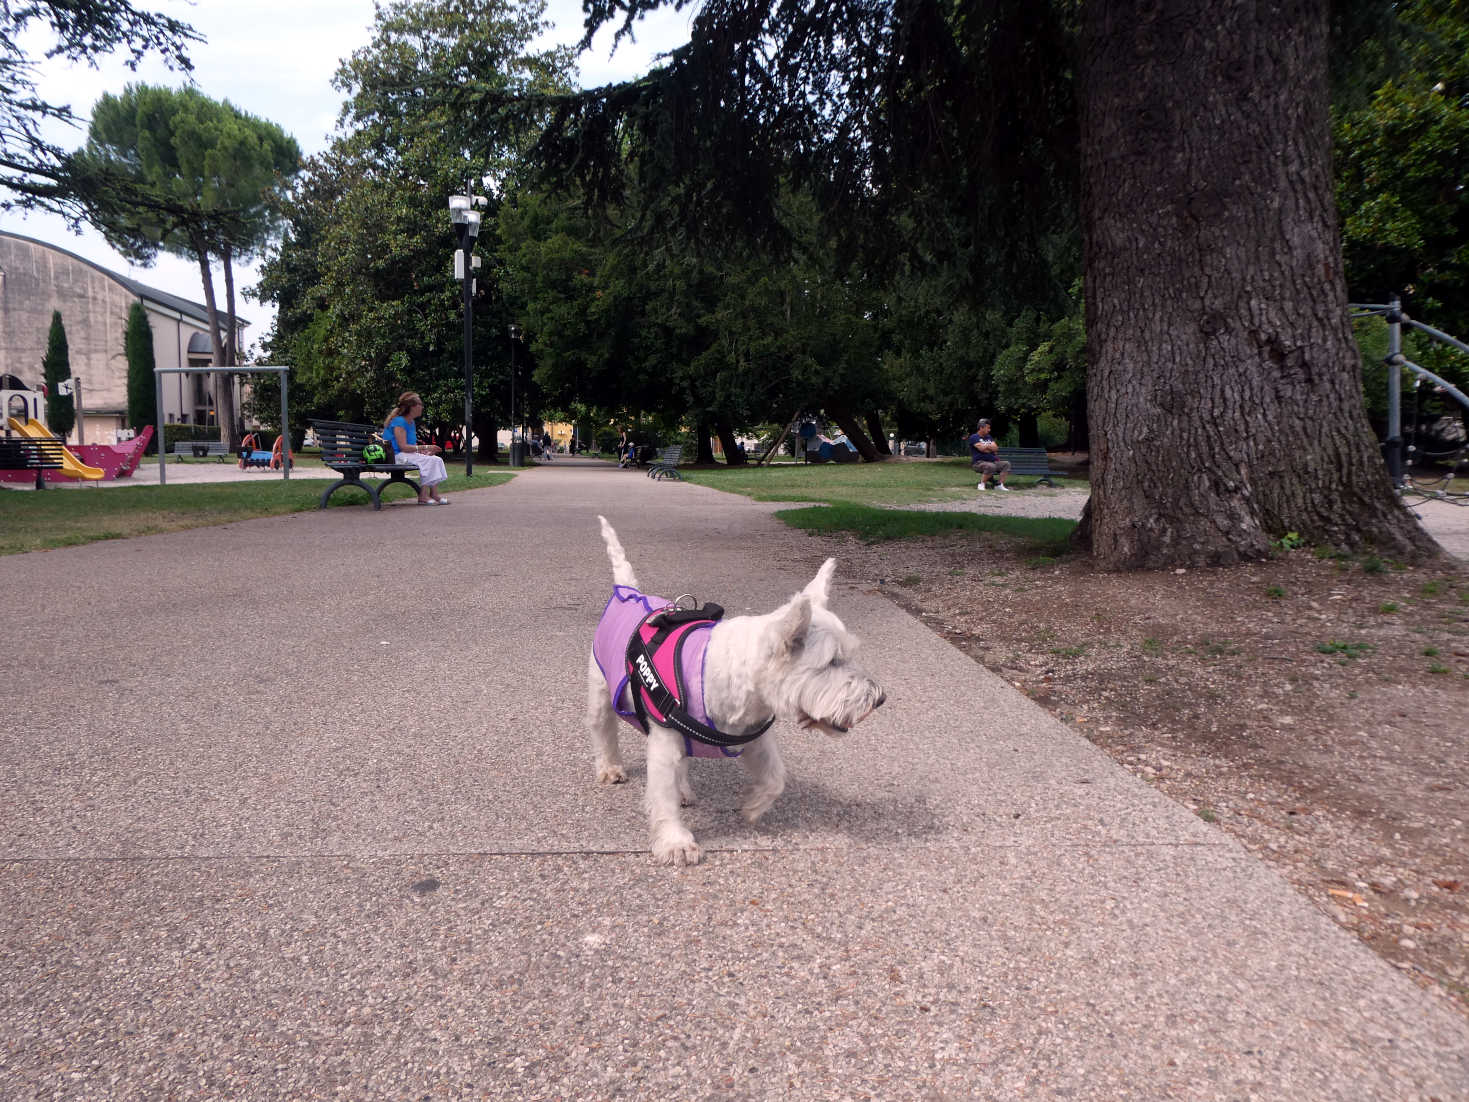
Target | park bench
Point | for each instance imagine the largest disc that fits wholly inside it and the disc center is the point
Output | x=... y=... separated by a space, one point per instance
x=200 y=449
x=31 y=453
x=1031 y=462
x=341 y=450
x=666 y=465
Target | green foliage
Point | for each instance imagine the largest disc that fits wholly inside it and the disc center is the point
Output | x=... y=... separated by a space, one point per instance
x=1043 y=368
x=1402 y=155
x=215 y=167
x=175 y=431
x=32 y=169
x=364 y=279
x=202 y=181
x=138 y=348
x=1348 y=650
x=61 y=415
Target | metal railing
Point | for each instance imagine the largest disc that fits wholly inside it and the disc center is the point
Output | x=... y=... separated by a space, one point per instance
x=1393 y=313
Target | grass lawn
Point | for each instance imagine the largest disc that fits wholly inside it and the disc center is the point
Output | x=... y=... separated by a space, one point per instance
x=859 y=483
x=859 y=498
x=65 y=517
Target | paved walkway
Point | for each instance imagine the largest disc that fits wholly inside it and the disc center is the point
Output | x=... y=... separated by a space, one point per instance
x=301 y=808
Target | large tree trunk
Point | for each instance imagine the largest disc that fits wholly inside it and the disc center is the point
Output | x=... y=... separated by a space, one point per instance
x=733 y=457
x=848 y=422
x=222 y=400
x=1225 y=400
x=224 y=397
x=879 y=438
x=705 y=448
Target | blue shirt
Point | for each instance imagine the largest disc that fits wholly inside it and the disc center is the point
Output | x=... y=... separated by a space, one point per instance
x=410 y=433
x=974 y=441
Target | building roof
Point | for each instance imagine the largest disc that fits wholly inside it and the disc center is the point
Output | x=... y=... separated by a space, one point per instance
x=196 y=310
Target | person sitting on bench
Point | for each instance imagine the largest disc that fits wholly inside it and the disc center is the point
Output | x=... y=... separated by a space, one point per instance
x=985 y=458
x=402 y=437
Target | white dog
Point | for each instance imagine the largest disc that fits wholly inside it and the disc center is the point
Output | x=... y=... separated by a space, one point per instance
x=794 y=663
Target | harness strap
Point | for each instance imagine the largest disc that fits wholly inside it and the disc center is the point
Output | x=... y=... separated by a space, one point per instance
x=649 y=688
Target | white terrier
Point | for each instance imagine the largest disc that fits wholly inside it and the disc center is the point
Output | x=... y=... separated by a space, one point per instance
x=710 y=687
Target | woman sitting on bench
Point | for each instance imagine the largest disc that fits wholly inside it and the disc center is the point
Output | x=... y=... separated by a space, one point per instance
x=401 y=434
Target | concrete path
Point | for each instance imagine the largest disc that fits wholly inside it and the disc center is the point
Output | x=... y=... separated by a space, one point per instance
x=302 y=808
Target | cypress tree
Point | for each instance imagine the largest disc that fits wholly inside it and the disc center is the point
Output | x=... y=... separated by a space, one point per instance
x=61 y=414
x=138 y=346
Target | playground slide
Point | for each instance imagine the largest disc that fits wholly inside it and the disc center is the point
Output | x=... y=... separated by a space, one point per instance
x=71 y=466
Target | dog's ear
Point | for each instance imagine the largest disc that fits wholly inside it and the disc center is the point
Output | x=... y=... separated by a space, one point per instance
x=819 y=587
x=788 y=633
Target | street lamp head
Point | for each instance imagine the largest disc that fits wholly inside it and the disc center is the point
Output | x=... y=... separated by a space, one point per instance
x=471 y=220
x=515 y=332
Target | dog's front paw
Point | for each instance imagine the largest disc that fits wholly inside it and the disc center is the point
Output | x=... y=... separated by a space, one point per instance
x=611 y=774
x=677 y=850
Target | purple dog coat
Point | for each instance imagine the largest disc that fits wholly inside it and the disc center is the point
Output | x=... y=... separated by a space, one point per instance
x=624 y=614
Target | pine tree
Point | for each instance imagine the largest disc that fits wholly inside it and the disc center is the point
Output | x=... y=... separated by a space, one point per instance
x=61 y=415
x=138 y=347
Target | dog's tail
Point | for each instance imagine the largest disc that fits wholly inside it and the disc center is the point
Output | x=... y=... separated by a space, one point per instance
x=621 y=569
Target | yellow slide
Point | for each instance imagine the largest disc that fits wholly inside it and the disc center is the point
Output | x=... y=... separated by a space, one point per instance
x=71 y=466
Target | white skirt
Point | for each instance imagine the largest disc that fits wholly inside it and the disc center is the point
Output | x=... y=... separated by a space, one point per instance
x=430 y=467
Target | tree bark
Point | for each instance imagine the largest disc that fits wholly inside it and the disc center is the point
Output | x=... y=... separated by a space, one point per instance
x=224 y=395
x=216 y=345
x=844 y=417
x=1225 y=397
x=733 y=457
x=705 y=449
x=879 y=438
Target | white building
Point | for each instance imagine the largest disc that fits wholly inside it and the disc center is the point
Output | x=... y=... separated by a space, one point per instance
x=37 y=278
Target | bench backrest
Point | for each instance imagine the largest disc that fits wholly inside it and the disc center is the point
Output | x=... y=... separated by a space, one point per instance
x=31 y=453
x=1027 y=460
x=671 y=456
x=342 y=442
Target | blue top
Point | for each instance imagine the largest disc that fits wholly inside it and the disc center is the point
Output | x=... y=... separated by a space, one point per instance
x=410 y=433
x=974 y=441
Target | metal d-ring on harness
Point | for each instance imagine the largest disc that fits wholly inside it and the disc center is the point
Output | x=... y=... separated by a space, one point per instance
x=670 y=627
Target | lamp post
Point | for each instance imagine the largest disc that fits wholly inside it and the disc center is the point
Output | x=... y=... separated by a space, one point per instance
x=514 y=339
x=466 y=228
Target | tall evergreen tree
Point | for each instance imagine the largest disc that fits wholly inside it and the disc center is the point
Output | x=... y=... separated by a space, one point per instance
x=61 y=415
x=368 y=303
x=215 y=173
x=142 y=388
x=1217 y=337
x=34 y=171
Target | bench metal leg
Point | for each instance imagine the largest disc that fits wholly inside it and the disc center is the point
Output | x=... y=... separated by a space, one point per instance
x=373 y=487
x=335 y=486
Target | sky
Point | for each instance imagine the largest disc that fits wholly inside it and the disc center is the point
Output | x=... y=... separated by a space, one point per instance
x=275 y=59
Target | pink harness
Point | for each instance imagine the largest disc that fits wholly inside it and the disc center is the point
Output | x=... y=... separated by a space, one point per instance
x=651 y=654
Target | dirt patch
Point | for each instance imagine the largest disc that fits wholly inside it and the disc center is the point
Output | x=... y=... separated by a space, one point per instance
x=1316 y=709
